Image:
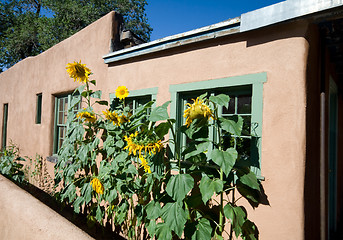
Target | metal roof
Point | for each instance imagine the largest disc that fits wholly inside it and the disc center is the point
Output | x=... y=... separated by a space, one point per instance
x=273 y=14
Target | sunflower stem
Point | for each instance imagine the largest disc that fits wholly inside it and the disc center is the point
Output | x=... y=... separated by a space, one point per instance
x=176 y=145
x=88 y=96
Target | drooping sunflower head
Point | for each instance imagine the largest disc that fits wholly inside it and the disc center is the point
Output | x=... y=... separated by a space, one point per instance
x=87 y=116
x=197 y=110
x=122 y=92
x=97 y=186
x=115 y=118
x=111 y=116
x=141 y=143
x=78 y=71
x=145 y=164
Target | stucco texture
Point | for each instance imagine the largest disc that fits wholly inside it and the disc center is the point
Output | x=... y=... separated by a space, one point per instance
x=279 y=51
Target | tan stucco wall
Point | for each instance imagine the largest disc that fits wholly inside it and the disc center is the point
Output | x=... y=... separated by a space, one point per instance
x=24 y=217
x=282 y=53
x=46 y=74
x=279 y=51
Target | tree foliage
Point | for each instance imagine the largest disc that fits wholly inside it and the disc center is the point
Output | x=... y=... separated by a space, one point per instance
x=29 y=27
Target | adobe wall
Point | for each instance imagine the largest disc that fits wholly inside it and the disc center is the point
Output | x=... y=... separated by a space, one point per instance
x=279 y=51
x=46 y=74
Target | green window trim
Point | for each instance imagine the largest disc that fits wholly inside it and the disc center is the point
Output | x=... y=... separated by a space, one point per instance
x=39 y=108
x=254 y=80
x=61 y=114
x=4 y=125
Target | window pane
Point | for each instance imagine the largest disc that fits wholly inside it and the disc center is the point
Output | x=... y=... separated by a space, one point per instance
x=65 y=114
x=60 y=104
x=231 y=109
x=244 y=104
x=243 y=147
x=60 y=117
x=246 y=125
x=65 y=105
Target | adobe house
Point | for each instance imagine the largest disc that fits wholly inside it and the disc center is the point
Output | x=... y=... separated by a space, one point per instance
x=282 y=66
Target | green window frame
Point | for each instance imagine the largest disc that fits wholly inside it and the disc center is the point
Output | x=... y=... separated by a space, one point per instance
x=4 y=125
x=39 y=98
x=138 y=97
x=62 y=104
x=250 y=84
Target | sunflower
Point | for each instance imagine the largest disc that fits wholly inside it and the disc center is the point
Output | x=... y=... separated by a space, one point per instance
x=122 y=92
x=135 y=145
x=88 y=116
x=78 y=71
x=97 y=186
x=115 y=118
x=197 y=110
x=145 y=164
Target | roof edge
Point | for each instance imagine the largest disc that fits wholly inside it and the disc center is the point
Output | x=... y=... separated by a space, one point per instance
x=283 y=11
x=209 y=32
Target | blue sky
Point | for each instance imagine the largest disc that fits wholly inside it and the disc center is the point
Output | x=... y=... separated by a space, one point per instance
x=169 y=17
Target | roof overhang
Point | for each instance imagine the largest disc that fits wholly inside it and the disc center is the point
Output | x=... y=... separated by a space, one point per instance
x=270 y=15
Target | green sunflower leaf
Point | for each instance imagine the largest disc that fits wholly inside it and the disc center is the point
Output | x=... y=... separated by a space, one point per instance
x=221 y=99
x=175 y=217
x=233 y=124
x=208 y=187
x=179 y=185
x=163 y=231
x=203 y=230
x=159 y=113
x=225 y=159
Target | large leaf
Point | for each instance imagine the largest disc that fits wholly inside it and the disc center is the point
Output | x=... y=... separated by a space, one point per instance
x=79 y=201
x=200 y=148
x=163 y=231
x=210 y=186
x=152 y=228
x=159 y=113
x=203 y=230
x=153 y=210
x=250 y=194
x=233 y=125
x=250 y=180
x=229 y=212
x=240 y=217
x=96 y=94
x=162 y=129
x=221 y=99
x=179 y=185
x=86 y=192
x=225 y=159
x=175 y=217
x=248 y=230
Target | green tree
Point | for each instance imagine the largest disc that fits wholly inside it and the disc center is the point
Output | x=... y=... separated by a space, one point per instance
x=29 y=27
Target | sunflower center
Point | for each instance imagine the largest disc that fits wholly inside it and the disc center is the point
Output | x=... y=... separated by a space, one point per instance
x=196 y=112
x=79 y=70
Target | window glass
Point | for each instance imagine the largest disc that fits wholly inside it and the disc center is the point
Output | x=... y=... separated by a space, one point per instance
x=61 y=115
x=39 y=108
x=4 y=125
x=240 y=104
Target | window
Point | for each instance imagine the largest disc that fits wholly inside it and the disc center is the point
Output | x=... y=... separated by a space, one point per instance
x=137 y=98
x=4 y=125
x=38 y=108
x=246 y=100
x=62 y=104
